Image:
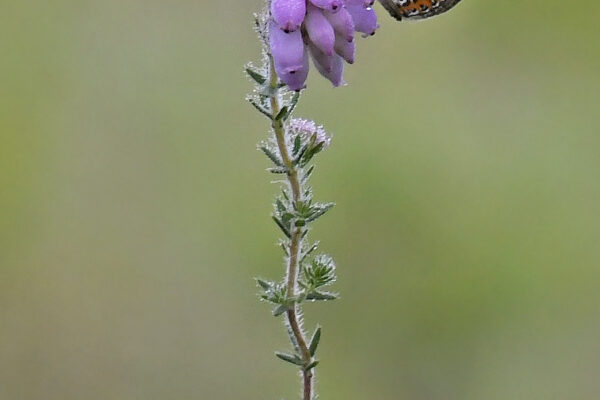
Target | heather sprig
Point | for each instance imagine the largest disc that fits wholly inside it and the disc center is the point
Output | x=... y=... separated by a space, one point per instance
x=291 y=150
x=290 y=30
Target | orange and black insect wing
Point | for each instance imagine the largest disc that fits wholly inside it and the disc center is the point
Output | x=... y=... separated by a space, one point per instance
x=417 y=9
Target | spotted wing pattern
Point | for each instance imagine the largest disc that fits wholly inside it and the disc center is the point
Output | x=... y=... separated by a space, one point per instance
x=417 y=9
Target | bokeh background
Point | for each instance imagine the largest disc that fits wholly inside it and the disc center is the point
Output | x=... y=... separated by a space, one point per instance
x=134 y=208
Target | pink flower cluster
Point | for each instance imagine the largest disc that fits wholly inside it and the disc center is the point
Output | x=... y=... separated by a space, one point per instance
x=308 y=131
x=323 y=28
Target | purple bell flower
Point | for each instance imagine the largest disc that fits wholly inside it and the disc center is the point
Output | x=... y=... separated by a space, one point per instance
x=335 y=75
x=365 y=19
x=330 y=66
x=319 y=30
x=329 y=5
x=295 y=78
x=289 y=56
x=344 y=48
x=288 y=14
x=323 y=28
x=364 y=3
x=342 y=23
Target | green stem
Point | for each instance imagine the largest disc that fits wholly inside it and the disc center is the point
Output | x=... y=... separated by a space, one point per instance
x=296 y=238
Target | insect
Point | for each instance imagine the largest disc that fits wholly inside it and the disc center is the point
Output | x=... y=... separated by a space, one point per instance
x=417 y=9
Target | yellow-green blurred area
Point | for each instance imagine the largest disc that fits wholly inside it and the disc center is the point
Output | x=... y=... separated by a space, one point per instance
x=134 y=207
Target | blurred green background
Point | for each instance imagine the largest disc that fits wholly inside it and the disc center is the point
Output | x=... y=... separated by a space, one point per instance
x=134 y=208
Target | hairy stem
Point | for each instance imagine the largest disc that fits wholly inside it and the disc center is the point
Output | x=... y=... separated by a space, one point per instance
x=293 y=313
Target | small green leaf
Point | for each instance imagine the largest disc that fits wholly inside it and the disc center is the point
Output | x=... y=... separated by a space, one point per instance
x=300 y=155
x=286 y=218
x=271 y=155
x=261 y=108
x=319 y=210
x=307 y=174
x=320 y=272
x=311 y=365
x=308 y=251
x=309 y=151
x=282 y=114
x=297 y=144
x=294 y=359
x=256 y=76
x=316 y=295
x=276 y=293
x=301 y=206
x=284 y=247
x=294 y=102
x=280 y=206
x=313 y=139
x=264 y=284
x=280 y=309
x=308 y=194
x=318 y=148
x=278 y=170
x=283 y=228
x=314 y=341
